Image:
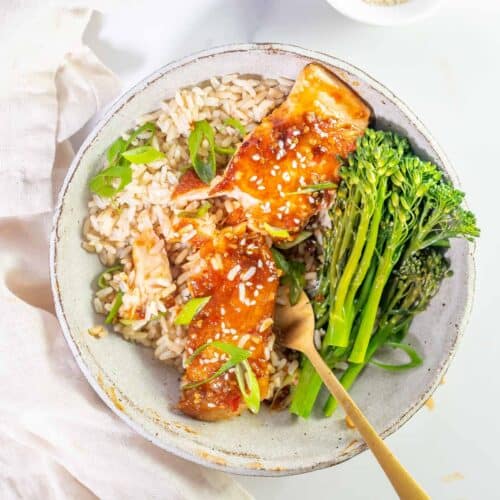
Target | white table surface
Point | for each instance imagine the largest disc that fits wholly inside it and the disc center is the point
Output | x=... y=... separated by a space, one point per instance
x=447 y=70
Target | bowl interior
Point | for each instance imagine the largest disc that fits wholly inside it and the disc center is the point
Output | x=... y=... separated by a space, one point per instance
x=270 y=443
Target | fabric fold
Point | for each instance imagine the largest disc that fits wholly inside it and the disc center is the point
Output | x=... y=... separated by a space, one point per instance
x=57 y=439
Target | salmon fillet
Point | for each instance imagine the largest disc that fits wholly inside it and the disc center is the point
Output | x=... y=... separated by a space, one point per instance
x=297 y=145
x=239 y=274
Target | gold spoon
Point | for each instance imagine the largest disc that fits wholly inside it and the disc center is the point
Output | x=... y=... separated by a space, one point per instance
x=296 y=326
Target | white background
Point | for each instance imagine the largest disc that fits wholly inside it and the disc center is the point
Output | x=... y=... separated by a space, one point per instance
x=447 y=70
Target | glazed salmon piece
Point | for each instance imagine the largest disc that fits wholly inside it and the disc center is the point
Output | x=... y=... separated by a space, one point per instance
x=239 y=275
x=297 y=145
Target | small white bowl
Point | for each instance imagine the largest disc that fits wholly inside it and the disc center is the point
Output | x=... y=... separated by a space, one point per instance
x=385 y=15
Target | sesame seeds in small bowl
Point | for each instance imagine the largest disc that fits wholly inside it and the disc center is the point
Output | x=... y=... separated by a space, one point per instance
x=386 y=12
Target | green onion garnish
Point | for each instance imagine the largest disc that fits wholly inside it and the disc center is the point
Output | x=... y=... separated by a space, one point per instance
x=302 y=236
x=143 y=154
x=200 y=212
x=415 y=359
x=276 y=232
x=128 y=322
x=101 y=281
x=114 y=308
x=293 y=275
x=225 y=151
x=115 y=150
x=204 y=169
x=315 y=187
x=236 y=355
x=105 y=182
x=236 y=124
x=190 y=310
x=318 y=187
x=249 y=385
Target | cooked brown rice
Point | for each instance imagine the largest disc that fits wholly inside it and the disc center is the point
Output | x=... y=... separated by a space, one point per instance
x=145 y=204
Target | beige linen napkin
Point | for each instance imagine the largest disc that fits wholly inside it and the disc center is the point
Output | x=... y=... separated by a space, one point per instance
x=57 y=439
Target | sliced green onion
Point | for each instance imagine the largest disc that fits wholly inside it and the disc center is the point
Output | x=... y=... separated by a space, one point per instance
x=115 y=150
x=101 y=282
x=293 y=275
x=103 y=183
x=128 y=322
x=147 y=127
x=190 y=310
x=114 y=308
x=200 y=212
x=276 y=232
x=143 y=154
x=249 y=385
x=225 y=151
x=204 y=169
x=415 y=359
x=280 y=260
x=315 y=187
x=302 y=236
x=236 y=124
x=318 y=187
x=237 y=355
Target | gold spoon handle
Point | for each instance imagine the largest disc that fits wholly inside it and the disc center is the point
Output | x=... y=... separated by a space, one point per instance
x=402 y=481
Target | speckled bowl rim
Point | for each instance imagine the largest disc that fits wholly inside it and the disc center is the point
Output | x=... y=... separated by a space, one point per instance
x=117 y=105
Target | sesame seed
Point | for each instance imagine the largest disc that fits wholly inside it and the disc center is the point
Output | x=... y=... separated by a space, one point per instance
x=311 y=199
x=241 y=292
x=249 y=273
x=259 y=265
x=281 y=144
x=259 y=181
x=233 y=272
x=270 y=279
x=253 y=178
x=286 y=177
x=294 y=163
x=281 y=154
x=273 y=173
x=261 y=188
x=297 y=221
x=276 y=167
x=256 y=157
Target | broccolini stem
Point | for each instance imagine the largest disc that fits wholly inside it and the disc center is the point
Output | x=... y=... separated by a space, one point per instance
x=337 y=334
x=369 y=313
x=343 y=326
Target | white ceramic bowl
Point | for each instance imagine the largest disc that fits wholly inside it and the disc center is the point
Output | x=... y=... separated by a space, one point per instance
x=385 y=15
x=269 y=443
